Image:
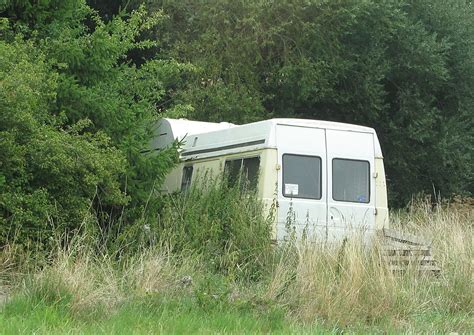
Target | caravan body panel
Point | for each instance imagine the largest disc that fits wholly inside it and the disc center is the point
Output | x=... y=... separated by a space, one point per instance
x=325 y=179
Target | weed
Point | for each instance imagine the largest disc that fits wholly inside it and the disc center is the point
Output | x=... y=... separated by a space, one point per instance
x=302 y=287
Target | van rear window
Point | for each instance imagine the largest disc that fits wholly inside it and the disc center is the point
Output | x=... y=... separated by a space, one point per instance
x=350 y=180
x=301 y=176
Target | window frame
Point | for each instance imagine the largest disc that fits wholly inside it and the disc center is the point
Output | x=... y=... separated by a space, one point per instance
x=320 y=177
x=183 y=175
x=368 y=179
x=241 y=159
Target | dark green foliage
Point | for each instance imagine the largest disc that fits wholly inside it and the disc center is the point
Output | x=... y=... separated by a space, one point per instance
x=225 y=223
x=405 y=68
x=76 y=116
x=50 y=171
x=82 y=83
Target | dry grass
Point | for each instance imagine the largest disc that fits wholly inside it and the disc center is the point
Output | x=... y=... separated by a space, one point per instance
x=86 y=283
x=350 y=284
x=450 y=228
x=91 y=284
x=344 y=285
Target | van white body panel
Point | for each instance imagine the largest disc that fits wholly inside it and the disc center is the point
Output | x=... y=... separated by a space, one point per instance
x=350 y=217
x=326 y=178
x=304 y=215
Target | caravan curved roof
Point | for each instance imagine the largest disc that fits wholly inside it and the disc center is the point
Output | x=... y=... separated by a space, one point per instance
x=322 y=124
x=202 y=138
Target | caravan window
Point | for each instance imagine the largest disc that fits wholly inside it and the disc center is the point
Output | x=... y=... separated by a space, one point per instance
x=186 y=179
x=302 y=176
x=246 y=167
x=350 y=180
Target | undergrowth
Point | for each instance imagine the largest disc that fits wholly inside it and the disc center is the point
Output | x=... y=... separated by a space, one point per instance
x=345 y=287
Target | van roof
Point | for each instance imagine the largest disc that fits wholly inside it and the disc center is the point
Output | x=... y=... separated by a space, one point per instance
x=207 y=139
x=322 y=124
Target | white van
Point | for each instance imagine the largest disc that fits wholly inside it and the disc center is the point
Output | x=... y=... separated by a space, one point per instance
x=329 y=176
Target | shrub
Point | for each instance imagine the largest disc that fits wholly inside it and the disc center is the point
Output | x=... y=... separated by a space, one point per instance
x=223 y=222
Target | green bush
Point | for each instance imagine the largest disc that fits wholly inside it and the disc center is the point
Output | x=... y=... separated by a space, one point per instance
x=51 y=171
x=76 y=119
x=223 y=222
x=405 y=68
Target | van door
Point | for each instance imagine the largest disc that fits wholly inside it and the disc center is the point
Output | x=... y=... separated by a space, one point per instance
x=351 y=189
x=301 y=182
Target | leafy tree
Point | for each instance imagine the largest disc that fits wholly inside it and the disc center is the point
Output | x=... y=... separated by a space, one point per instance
x=81 y=88
x=77 y=117
x=51 y=172
x=402 y=67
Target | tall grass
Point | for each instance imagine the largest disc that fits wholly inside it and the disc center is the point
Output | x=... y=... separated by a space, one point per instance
x=350 y=284
x=343 y=286
x=222 y=222
x=91 y=284
x=450 y=228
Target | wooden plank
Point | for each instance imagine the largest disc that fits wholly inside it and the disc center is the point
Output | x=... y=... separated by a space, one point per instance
x=404 y=237
x=404 y=251
x=430 y=270
x=414 y=258
x=410 y=253
x=421 y=268
x=400 y=246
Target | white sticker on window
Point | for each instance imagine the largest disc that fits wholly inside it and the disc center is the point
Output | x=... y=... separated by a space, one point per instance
x=291 y=189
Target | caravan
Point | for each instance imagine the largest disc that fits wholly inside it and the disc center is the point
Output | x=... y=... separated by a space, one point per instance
x=330 y=176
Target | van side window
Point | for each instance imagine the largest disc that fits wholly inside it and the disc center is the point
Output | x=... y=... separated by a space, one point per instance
x=245 y=167
x=350 y=180
x=186 y=179
x=301 y=176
